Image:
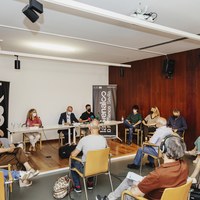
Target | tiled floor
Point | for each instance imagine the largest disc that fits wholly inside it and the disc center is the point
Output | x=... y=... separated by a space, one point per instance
x=42 y=185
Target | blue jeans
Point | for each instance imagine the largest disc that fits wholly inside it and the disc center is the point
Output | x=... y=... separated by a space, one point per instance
x=147 y=149
x=131 y=130
x=76 y=178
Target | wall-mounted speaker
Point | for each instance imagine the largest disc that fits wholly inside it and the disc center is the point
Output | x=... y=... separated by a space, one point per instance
x=17 y=64
x=168 y=68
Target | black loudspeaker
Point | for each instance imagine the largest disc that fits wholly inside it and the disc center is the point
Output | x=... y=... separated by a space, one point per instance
x=30 y=13
x=168 y=68
x=17 y=64
x=37 y=6
x=121 y=72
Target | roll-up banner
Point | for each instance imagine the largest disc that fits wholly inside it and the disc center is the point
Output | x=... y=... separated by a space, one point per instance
x=4 y=102
x=104 y=106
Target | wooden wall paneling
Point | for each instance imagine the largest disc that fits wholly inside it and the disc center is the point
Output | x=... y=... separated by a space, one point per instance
x=145 y=85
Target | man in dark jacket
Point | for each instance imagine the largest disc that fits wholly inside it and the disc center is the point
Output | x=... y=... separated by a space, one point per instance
x=67 y=117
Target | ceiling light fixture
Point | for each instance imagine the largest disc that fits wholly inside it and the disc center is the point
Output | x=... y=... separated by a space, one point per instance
x=31 y=9
x=51 y=47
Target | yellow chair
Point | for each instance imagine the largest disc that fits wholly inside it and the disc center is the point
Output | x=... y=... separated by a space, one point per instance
x=4 y=185
x=2 y=188
x=158 y=157
x=176 y=193
x=138 y=132
x=97 y=162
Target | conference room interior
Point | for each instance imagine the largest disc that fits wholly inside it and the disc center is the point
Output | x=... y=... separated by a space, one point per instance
x=49 y=80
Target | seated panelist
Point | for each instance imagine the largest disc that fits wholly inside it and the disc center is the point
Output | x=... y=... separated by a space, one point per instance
x=32 y=120
x=67 y=118
x=87 y=116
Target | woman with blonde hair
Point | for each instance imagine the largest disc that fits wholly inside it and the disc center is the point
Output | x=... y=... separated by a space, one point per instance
x=32 y=120
x=149 y=122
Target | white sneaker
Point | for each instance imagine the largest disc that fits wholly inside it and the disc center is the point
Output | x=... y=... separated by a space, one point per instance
x=25 y=183
x=33 y=173
x=196 y=160
x=191 y=153
x=24 y=175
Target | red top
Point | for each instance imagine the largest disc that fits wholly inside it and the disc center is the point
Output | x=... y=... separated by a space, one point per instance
x=35 y=122
x=168 y=175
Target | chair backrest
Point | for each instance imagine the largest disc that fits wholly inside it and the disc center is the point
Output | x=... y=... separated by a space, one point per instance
x=181 y=192
x=2 y=188
x=97 y=162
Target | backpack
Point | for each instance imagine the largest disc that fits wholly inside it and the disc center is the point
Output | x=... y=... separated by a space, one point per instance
x=65 y=151
x=62 y=187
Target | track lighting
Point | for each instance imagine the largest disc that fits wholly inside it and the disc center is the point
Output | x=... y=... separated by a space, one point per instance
x=31 y=9
x=17 y=63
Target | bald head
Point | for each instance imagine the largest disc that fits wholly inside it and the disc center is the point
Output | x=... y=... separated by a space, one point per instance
x=94 y=126
x=161 y=122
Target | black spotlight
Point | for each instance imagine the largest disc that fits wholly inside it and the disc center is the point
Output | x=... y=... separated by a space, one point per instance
x=17 y=63
x=29 y=10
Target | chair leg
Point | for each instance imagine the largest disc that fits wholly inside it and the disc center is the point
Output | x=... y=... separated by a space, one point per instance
x=111 y=184
x=40 y=141
x=84 y=183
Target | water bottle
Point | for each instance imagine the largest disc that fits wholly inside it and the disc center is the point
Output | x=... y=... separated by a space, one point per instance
x=122 y=119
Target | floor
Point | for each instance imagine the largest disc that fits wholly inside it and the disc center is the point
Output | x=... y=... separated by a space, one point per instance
x=48 y=159
x=42 y=185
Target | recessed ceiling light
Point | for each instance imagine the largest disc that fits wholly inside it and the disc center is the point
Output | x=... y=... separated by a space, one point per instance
x=52 y=47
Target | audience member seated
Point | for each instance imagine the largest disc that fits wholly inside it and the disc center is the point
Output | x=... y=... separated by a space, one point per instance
x=172 y=173
x=22 y=176
x=195 y=151
x=94 y=141
x=87 y=116
x=161 y=132
x=149 y=122
x=177 y=123
x=132 y=122
x=196 y=172
x=67 y=118
x=31 y=121
x=15 y=156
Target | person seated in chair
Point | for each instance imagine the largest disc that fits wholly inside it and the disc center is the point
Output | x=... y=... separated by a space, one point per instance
x=132 y=122
x=9 y=154
x=32 y=120
x=149 y=122
x=156 y=139
x=172 y=173
x=196 y=172
x=195 y=151
x=94 y=141
x=67 y=118
x=86 y=117
x=177 y=123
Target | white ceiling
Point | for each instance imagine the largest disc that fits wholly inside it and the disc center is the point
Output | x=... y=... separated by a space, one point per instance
x=98 y=40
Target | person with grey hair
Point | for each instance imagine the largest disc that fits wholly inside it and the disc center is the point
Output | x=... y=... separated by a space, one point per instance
x=94 y=141
x=156 y=139
x=172 y=173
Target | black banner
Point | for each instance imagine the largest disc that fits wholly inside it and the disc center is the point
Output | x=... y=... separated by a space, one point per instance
x=4 y=102
x=104 y=106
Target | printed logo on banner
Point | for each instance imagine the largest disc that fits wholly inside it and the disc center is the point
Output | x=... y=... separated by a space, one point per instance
x=4 y=96
x=104 y=104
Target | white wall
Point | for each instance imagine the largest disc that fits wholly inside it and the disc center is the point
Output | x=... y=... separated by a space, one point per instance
x=49 y=86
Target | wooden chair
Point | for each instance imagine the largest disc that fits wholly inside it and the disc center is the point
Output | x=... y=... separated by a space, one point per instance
x=26 y=140
x=138 y=132
x=6 y=186
x=97 y=162
x=176 y=193
x=158 y=157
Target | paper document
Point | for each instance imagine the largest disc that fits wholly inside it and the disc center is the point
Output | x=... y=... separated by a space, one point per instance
x=133 y=176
